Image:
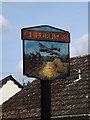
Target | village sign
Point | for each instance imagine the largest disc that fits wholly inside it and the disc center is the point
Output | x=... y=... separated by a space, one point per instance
x=45 y=52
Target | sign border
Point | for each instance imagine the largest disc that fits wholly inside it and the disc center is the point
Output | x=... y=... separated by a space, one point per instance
x=37 y=77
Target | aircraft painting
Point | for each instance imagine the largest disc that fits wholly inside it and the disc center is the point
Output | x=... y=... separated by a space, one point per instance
x=51 y=51
x=46 y=60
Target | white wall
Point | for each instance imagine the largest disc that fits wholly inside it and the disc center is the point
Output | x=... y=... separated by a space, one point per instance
x=8 y=90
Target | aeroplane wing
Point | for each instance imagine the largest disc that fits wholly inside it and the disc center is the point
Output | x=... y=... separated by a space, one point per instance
x=43 y=48
x=54 y=53
x=41 y=45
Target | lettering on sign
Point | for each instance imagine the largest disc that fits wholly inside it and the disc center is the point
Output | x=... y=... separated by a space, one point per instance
x=45 y=35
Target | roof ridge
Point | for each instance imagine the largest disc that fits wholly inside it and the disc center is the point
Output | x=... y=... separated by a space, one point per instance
x=4 y=81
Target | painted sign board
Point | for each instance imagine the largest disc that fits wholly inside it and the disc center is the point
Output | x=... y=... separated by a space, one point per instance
x=45 y=52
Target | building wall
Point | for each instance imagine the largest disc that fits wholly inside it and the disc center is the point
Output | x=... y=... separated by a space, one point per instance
x=8 y=90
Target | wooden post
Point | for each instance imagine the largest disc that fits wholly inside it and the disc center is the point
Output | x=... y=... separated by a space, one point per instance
x=45 y=100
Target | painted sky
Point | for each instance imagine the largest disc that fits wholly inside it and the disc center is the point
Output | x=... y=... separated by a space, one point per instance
x=70 y=16
x=33 y=47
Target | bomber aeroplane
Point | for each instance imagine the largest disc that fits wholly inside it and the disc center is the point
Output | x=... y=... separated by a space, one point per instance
x=51 y=51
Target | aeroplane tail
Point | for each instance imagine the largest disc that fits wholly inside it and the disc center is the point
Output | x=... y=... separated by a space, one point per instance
x=59 y=50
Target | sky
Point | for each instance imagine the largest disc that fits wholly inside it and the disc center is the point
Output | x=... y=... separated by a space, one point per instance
x=70 y=16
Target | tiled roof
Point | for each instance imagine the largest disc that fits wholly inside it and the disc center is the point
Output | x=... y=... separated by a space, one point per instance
x=68 y=96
